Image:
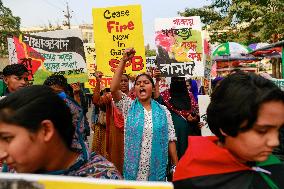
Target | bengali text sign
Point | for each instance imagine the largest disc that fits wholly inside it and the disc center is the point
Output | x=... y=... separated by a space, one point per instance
x=179 y=46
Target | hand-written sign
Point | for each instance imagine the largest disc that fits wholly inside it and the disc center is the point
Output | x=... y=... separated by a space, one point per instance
x=47 y=53
x=203 y=102
x=184 y=33
x=56 y=62
x=179 y=41
x=90 y=53
x=150 y=63
x=115 y=29
x=49 y=44
x=105 y=82
x=207 y=56
x=13 y=59
x=178 y=68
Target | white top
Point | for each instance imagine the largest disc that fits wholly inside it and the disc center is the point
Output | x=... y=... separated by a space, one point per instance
x=144 y=163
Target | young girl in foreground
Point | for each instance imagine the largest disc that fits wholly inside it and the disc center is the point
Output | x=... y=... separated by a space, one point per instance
x=246 y=113
x=36 y=135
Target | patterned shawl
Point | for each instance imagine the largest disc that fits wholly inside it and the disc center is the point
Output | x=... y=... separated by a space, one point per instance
x=184 y=113
x=79 y=121
x=133 y=141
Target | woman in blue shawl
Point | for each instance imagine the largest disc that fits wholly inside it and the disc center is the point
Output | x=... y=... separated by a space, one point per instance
x=149 y=132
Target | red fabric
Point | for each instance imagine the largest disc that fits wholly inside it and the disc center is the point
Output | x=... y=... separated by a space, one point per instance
x=203 y=157
x=184 y=113
x=234 y=63
x=267 y=51
x=118 y=117
x=108 y=122
x=206 y=46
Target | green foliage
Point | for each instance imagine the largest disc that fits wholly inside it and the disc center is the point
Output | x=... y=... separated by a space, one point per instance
x=243 y=21
x=9 y=26
x=207 y=14
x=149 y=52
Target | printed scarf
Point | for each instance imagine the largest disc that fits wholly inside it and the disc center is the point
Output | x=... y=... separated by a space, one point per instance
x=133 y=142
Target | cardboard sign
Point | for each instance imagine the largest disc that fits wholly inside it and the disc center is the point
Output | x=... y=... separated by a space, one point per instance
x=46 y=53
x=203 y=102
x=115 y=29
x=179 y=46
x=19 y=181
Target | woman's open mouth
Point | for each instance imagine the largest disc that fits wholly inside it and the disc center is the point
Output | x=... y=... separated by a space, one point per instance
x=142 y=91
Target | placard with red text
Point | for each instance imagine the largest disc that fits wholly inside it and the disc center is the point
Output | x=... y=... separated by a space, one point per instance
x=115 y=29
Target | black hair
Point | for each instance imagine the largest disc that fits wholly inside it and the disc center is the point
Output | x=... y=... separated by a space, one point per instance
x=201 y=90
x=126 y=75
x=148 y=77
x=107 y=90
x=236 y=70
x=216 y=81
x=57 y=80
x=29 y=106
x=236 y=101
x=15 y=69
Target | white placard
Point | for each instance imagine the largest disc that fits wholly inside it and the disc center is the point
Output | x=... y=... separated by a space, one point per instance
x=203 y=102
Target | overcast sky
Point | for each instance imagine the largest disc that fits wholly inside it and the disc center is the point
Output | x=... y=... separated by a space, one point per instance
x=41 y=12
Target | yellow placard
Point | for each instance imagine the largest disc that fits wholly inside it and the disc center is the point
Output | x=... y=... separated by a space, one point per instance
x=88 y=85
x=105 y=82
x=76 y=185
x=115 y=29
x=90 y=53
x=37 y=181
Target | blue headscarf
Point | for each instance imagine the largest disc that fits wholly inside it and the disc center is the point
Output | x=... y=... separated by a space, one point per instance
x=194 y=89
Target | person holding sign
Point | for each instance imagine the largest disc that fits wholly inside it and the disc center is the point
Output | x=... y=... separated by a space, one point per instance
x=149 y=132
x=36 y=135
x=101 y=98
x=113 y=131
x=246 y=113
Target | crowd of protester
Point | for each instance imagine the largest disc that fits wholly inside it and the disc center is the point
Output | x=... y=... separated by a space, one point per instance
x=143 y=134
